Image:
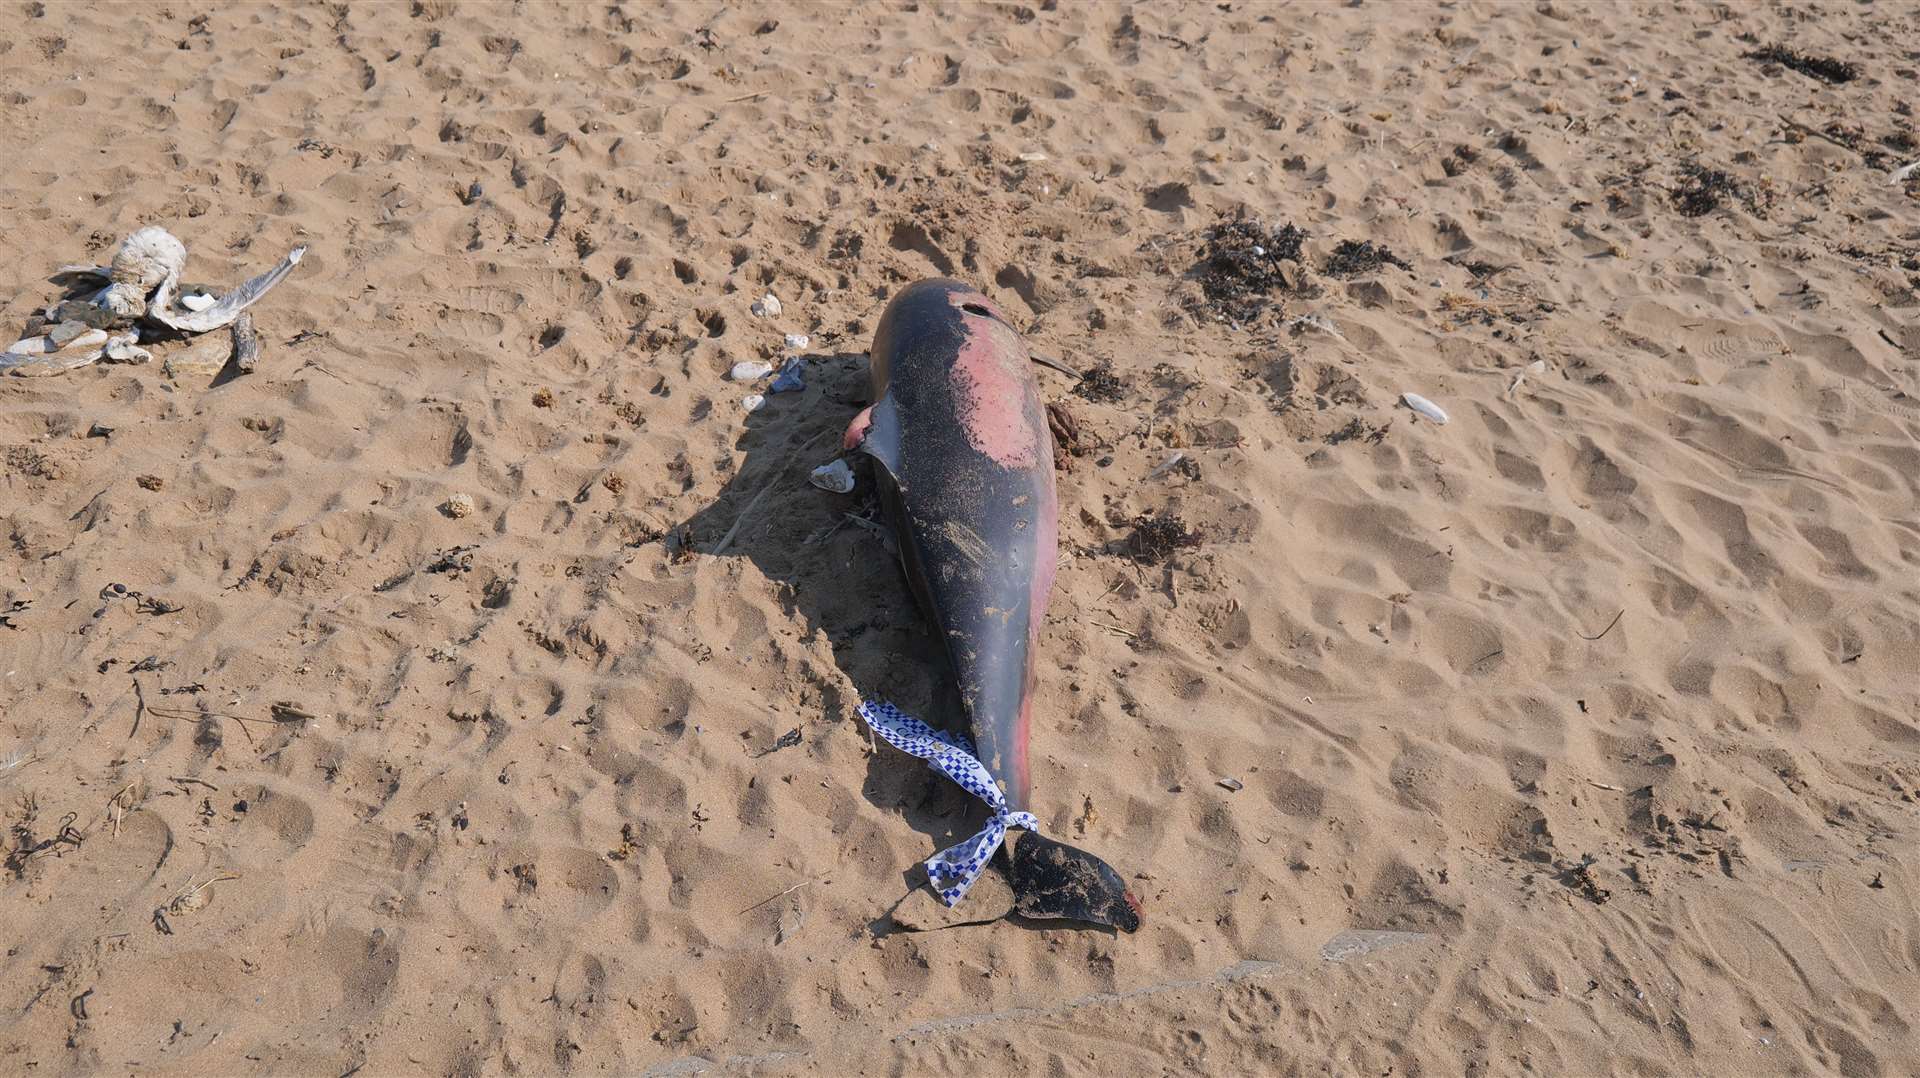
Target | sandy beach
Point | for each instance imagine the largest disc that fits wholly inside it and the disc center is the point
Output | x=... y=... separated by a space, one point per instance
x=478 y=696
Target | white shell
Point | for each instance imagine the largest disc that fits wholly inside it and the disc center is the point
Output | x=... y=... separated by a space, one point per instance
x=125 y=349
x=752 y=402
x=199 y=301
x=767 y=306
x=1424 y=406
x=749 y=369
x=798 y=341
x=1030 y=158
x=836 y=477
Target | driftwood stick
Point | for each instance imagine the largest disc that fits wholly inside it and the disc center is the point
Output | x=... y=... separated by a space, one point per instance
x=246 y=343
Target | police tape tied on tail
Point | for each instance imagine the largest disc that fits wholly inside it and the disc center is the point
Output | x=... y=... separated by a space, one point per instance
x=954 y=869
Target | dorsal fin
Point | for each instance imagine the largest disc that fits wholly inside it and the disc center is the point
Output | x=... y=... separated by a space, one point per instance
x=876 y=432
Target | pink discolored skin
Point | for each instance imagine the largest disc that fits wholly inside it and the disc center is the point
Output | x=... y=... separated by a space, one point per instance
x=989 y=376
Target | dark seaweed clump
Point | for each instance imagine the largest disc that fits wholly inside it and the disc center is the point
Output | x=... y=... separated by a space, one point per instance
x=1100 y=384
x=1824 y=68
x=1354 y=258
x=1157 y=535
x=1702 y=190
x=1241 y=269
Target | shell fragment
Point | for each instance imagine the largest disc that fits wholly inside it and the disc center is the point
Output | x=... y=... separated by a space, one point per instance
x=1425 y=407
x=836 y=477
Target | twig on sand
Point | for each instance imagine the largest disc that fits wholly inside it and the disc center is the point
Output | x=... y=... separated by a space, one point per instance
x=1049 y=361
x=1118 y=629
x=183 y=715
x=189 y=899
x=721 y=546
x=1608 y=629
x=748 y=97
x=1822 y=135
x=770 y=898
x=120 y=803
x=1605 y=786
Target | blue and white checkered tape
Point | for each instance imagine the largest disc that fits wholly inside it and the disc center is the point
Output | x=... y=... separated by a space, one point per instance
x=954 y=869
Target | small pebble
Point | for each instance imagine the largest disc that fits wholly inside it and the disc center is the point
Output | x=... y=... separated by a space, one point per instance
x=798 y=341
x=767 y=306
x=748 y=370
x=1232 y=784
x=752 y=402
x=458 y=506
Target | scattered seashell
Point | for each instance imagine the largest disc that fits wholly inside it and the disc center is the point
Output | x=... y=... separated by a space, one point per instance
x=125 y=349
x=748 y=370
x=798 y=341
x=42 y=355
x=145 y=272
x=70 y=333
x=753 y=401
x=836 y=477
x=1032 y=157
x=1424 y=406
x=1230 y=784
x=459 y=505
x=197 y=301
x=767 y=306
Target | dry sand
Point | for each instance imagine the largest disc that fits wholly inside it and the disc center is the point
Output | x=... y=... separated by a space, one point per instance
x=1601 y=697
